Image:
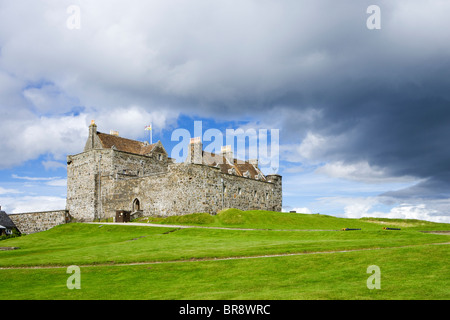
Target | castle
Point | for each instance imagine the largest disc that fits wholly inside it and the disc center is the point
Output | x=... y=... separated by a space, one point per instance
x=115 y=173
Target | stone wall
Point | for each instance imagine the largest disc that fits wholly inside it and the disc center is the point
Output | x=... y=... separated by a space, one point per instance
x=82 y=183
x=101 y=181
x=189 y=188
x=32 y=222
x=84 y=188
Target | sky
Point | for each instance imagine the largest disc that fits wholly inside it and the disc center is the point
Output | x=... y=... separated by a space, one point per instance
x=359 y=97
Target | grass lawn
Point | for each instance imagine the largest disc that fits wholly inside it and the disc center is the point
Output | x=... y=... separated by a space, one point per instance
x=405 y=273
x=270 y=220
x=412 y=265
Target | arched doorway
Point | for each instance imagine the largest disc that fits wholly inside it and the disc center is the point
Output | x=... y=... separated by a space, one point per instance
x=136 y=205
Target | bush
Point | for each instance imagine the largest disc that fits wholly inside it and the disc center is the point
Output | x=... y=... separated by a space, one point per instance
x=14 y=234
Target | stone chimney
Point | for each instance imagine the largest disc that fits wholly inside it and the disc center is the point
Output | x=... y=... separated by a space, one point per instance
x=253 y=162
x=228 y=153
x=90 y=143
x=195 y=151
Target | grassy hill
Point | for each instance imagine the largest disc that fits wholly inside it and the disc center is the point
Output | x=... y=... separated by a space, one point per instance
x=276 y=262
x=270 y=220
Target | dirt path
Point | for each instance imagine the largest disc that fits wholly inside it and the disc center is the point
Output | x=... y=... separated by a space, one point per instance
x=221 y=259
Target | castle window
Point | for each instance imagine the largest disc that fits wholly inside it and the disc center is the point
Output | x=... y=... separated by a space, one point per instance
x=239 y=191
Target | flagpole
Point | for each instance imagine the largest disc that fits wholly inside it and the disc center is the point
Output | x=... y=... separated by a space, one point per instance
x=150 y=134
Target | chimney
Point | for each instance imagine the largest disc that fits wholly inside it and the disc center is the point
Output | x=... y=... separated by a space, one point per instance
x=90 y=143
x=195 y=151
x=227 y=153
x=253 y=162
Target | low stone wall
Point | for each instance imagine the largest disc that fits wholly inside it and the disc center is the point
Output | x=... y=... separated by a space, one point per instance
x=32 y=222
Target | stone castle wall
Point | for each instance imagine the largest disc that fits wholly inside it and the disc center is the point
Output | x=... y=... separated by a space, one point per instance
x=188 y=188
x=85 y=188
x=101 y=181
x=32 y=222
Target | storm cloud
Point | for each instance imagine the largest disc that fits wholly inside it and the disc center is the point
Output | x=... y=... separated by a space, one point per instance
x=375 y=100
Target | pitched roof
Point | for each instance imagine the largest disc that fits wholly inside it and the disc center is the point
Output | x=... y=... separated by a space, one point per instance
x=242 y=168
x=127 y=145
x=6 y=221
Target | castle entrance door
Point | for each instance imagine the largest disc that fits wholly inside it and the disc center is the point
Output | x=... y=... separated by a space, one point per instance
x=136 y=205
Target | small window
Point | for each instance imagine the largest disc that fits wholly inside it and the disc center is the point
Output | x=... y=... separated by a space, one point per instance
x=239 y=191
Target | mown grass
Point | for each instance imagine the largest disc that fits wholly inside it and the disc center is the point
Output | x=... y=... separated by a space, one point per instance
x=271 y=220
x=412 y=267
x=416 y=273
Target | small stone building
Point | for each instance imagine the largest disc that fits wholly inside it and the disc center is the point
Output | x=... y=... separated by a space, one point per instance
x=7 y=226
x=114 y=173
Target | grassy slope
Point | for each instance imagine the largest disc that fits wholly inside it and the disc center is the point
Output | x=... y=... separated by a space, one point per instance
x=406 y=273
x=270 y=220
x=417 y=272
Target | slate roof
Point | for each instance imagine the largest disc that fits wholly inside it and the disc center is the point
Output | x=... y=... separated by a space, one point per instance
x=242 y=168
x=6 y=221
x=126 y=145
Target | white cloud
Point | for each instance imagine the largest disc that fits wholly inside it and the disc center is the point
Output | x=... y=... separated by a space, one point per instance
x=49 y=181
x=359 y=207
x=314 y=148
x=32 y=204
x=361 y=172
x=57 y=183
x=131 y=121
x=15 y=176
x=49 y=98
x=52 y=165
x=8 y=191
x=309 y=149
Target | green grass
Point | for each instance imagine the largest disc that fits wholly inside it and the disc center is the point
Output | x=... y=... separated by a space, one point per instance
x=271 y=220
x=419 y=273
x=412 y=266
x=84 y=244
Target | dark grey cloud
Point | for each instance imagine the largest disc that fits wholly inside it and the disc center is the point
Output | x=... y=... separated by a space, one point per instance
x=302 y=66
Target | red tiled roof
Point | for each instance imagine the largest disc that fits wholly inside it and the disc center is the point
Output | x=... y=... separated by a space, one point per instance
x=241 y=167
x=124 y=144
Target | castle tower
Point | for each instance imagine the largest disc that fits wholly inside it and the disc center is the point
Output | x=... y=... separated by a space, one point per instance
x=276 y=179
